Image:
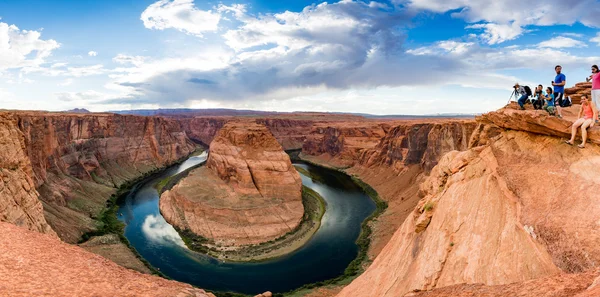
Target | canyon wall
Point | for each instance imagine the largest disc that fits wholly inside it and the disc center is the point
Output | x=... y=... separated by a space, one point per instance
x=393 y=157
x=290 y=133
x=247 y=193
x=76 y=161
x=19 y=200
x=520 y=206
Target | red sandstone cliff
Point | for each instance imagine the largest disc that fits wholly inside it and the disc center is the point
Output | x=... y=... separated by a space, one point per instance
x=19 y=203
x=34 y=264
x=248 y=193
x=579 y=89
x=76 y=161
x=519 y=207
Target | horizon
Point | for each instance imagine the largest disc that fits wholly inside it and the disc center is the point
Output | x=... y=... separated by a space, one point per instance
x=381 y=58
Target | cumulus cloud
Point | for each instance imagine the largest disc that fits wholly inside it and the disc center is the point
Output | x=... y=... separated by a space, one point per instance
x=327 y=44
x=22 y=48
x=562 y=42
x=92 y=53
x=181 y=15
x=504 y=20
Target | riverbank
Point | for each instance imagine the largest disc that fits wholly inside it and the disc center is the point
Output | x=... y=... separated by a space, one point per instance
x=314 y=209
x=362 y=261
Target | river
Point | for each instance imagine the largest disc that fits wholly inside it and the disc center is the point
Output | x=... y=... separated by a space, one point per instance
x=324 y=256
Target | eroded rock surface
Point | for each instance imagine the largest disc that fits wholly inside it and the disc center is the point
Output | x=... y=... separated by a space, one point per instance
x=35 y=264
x=248 y=192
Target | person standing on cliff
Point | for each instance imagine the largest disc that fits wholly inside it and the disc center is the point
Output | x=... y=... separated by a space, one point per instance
x=559 y=83
x=595 y=78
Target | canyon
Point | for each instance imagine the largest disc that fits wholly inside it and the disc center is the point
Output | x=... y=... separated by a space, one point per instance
x=248 y=192
x=486 y=207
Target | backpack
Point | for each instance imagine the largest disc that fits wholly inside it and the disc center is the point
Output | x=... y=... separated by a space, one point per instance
x=527 y=90
x=567 y=102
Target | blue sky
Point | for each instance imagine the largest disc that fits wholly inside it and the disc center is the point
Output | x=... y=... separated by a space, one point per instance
x=380 y=57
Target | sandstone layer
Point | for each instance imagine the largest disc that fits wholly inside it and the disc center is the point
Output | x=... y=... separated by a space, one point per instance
x=289 y=132
x=582 y=88
x=248 y=192
x=79 y=160
x=35 y=264
x=518 y=207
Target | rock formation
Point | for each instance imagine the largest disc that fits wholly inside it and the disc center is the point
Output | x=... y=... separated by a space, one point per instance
x=519 y=207
x=579 y=89
x=34 y=264
x=248 y=193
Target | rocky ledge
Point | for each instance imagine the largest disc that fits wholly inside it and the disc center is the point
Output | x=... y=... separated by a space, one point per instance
x=248 y=193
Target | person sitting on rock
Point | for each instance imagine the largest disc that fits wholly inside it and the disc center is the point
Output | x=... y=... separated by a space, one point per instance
x=585 y=120
x=549 y=101
x=538 y=95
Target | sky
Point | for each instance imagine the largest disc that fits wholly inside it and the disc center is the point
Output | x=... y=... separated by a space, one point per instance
x=378 y=57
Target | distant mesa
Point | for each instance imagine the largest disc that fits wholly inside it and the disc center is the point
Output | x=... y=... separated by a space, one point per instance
x=78 y=110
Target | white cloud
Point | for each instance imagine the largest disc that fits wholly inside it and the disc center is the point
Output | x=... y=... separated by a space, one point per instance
x=132 y=60
x=498 y=33
x=562 y=42
x=327 y=44
x=180 y=15
x=596 y=39
x=505 y=19
x=92 y=53
x=85 y=70
x=23 y=48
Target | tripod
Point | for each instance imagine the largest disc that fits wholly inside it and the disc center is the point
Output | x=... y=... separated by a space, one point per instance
x=514 y=93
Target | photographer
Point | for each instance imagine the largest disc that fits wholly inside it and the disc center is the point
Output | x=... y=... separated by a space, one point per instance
x=522 y=90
